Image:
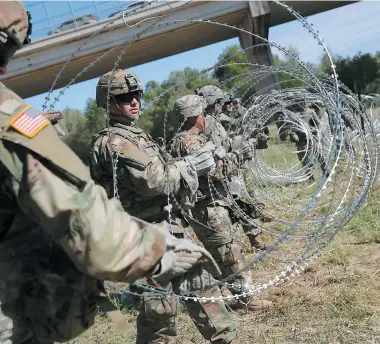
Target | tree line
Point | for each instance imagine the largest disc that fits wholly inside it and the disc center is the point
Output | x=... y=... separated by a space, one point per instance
x=362 y=70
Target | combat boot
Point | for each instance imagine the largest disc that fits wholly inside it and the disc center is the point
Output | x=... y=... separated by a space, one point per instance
x=252 y=305
x=129 y=301
x=259 y=305
x=265 y=218
x=256 y=242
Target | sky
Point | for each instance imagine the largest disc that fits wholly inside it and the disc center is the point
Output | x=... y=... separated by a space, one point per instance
x=345 y=30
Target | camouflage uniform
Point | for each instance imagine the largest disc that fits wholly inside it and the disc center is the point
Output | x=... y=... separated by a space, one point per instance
x=253 y=207
x=304 y=148
x=217 y=133
x=59 y=233
x=212 y=222
x=143 y=179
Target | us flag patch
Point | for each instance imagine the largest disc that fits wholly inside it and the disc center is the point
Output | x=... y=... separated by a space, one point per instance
x=29 y=122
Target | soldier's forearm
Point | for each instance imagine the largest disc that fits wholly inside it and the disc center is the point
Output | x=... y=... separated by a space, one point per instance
x=156 y=179
x=101 y=239
x=53 y=116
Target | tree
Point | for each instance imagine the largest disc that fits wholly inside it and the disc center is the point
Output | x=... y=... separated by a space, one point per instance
x=363 y=68
x=231 y=62
x=80 y=127
x=157 y=117
x=233 y=71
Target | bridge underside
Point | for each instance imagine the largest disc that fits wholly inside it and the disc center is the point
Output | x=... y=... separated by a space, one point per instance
x=35 y=63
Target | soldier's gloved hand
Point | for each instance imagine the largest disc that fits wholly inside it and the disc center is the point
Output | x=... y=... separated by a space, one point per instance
x=203 y=159
x=220 y=152
x=237 y=141
x=248 y=149
x=53 y=116
x=182 y=256
x=262 y=141
x=294 y=137
x=235 y=187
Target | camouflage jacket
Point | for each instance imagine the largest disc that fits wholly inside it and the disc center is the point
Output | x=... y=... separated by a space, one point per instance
x=143 y=177
x=225 y=120
x=186 y=143
x=215 y=132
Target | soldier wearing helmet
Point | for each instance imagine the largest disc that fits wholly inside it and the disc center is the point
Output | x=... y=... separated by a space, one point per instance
x=214 y=99
x=239 y=109
x=127 y=161
x=306 y=145
x=60 y=236
x=218 y=135
x=210 y=218
x=227 y=116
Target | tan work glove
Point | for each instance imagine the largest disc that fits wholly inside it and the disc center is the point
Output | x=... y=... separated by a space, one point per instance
x=181 y=257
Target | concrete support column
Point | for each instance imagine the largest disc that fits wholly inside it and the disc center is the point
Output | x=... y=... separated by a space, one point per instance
x=257 y=21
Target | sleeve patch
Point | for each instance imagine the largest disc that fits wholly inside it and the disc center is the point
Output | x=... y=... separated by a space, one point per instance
x=28 y=122
x=133 y=156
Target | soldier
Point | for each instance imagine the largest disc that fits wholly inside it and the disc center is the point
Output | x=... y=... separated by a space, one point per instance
x=238 y=107
x=305 y=146
x=215 y=131
x=227 y=116
x=214 y=101
x=124 y=158
x=211 y=215
x=59 y=233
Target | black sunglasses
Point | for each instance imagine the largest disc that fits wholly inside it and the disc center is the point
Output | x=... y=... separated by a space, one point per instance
x=128 y=97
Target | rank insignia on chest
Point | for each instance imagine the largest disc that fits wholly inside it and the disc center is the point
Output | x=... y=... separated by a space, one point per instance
x=28 y=122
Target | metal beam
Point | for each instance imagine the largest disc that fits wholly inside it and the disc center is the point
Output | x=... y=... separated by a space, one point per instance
x=42 y=60
x=257 y=21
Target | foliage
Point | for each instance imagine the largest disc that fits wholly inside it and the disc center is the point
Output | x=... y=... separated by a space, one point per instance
x=80 y=127
x=233 y=71
x=364 y=68
x=178 y=84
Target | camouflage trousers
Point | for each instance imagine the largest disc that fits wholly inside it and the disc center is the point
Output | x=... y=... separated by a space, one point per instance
x=41 y=293
x=158 y=318
x=215 y=230
x=249 y=228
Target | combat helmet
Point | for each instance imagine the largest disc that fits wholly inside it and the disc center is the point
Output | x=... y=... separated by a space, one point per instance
x=189 y=106
x=229 y=98
x=118 y=82
x=211 y=93
x=15 y=29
